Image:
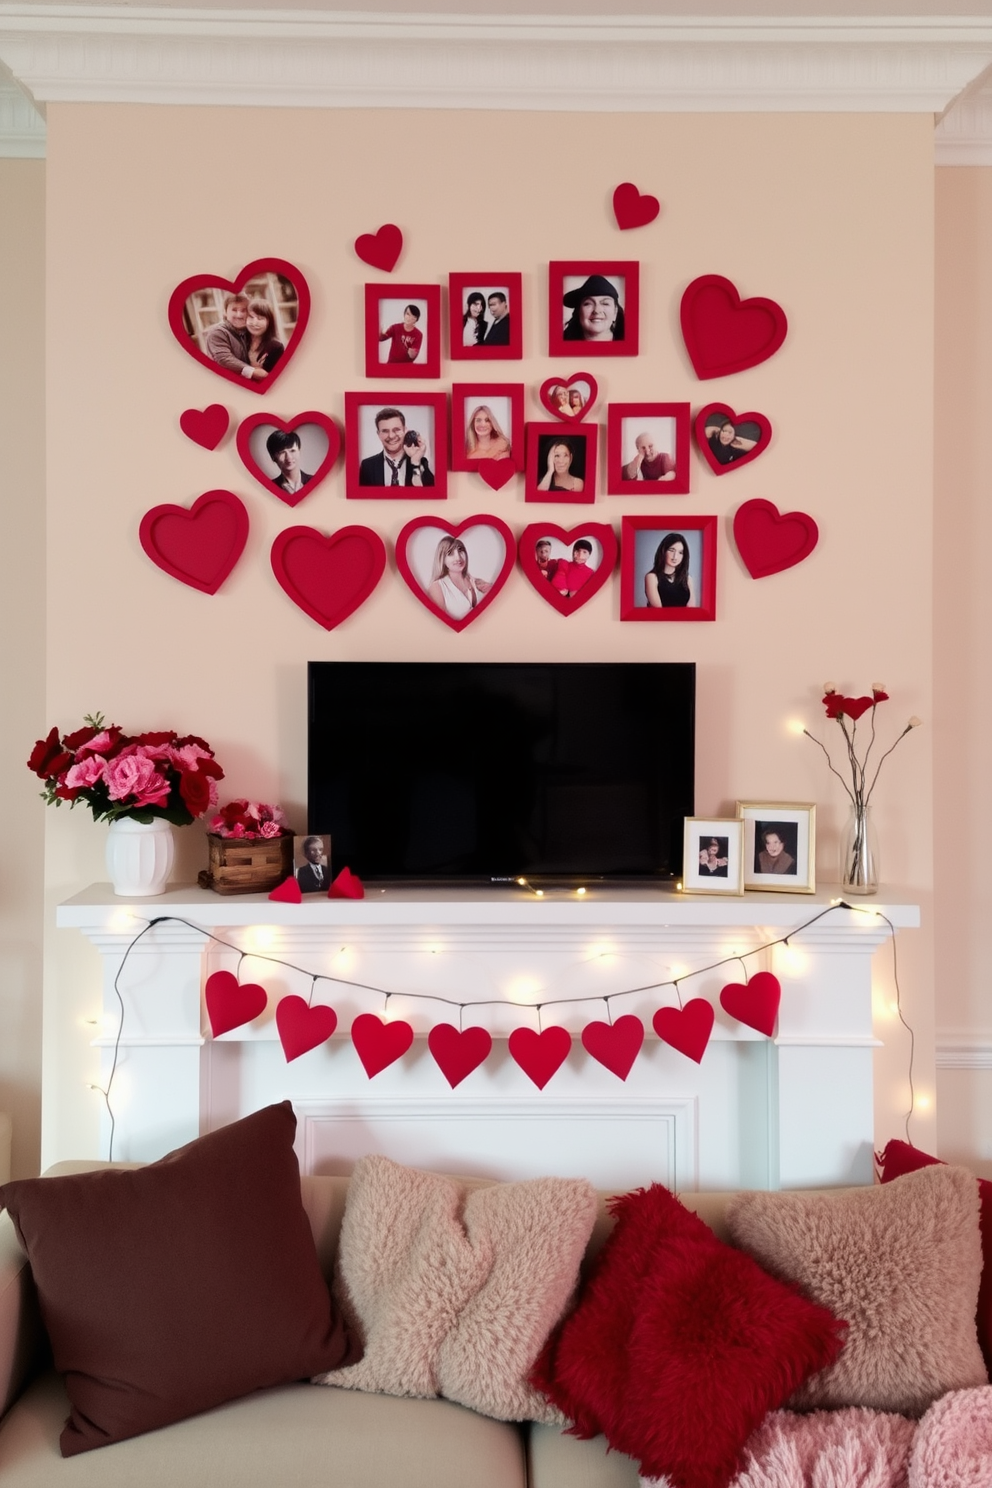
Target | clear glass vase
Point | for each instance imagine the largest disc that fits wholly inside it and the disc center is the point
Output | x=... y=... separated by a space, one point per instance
x=859 y=867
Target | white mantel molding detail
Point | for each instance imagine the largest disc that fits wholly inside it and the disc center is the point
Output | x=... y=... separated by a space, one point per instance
x=22 y=129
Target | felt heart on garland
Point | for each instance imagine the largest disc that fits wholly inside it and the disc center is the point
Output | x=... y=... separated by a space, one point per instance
x=200 y=544
x=633 y=208
x=230 y=1003
x=686 y=1029
x=328 y=575
x=496 y=473
x=457 y=1052
x=379 y=1044
x=486 y=543
x=728 y=440
x=581 y=382
x=380 y=249
x=616 y=1045
x=597 y=533
x=288 y=892
x=770 y=541
x=301 y=1027
x=197 y=320
x=540 y=1055
x=205 y=426
x=725 y=334
x=756 y=1003
x=312 y=438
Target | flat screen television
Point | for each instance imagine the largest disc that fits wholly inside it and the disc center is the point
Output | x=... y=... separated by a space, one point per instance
x=467 y=772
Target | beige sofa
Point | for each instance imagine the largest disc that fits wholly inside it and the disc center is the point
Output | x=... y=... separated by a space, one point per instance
x=295 y=1436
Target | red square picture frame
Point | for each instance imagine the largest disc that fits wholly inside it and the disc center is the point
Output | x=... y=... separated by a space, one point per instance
x=656 y=587
x=378 y=429
x=593 y=307
x=402 y=330
x=500 y=311
x=549 y=475
x=487 y=424
x=652 y=438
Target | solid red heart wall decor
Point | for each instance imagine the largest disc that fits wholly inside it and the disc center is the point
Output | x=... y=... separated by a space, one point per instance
x=205 y=426
x=455 y=570
x=770 y=541
x=289 y=457
x=198 y=545
x=725 y=334
x=247 y=329
x=380 y=250
x=328 y=575
x=633 y=208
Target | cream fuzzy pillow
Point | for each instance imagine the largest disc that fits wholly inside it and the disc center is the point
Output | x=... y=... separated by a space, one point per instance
x=453 y=1290
x=900 y=1263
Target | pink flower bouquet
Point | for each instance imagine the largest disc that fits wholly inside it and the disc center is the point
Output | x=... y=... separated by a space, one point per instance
x=250 y=820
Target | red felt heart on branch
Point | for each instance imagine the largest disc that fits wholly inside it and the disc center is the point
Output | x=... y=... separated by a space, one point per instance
x=634 y=208
x=754 y=1004
x=458 y=1052
x=540 y=1055
x=284 y=290
x=328 y=575
x=379 y=1044
x=380 y=249
x=347 y=885
x=205 y=426
x=288 y=892
x=686 y=1029
x=231 y=1003
x=496 y=473
x=316 y=429
x=599 y=532
x=200 y=544
x=727 y=452
x=616 y=1045
x=725 y=334
x=302 y=1028
x=587 y=386
x=770 y=541
x=490 y=547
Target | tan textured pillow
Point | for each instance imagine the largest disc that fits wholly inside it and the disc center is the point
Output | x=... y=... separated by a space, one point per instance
x=901 y=1263
x=454 y=1290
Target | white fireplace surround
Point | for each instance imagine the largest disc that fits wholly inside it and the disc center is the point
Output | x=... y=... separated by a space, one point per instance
x=792 y=1111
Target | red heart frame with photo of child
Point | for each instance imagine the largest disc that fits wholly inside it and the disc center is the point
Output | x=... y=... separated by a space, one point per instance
x=455 y=530
x=705 y=415
x=288 y=426
x=183 y=291
x=602 y=532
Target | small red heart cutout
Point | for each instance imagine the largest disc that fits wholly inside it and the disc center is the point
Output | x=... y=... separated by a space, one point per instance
x=754 y=1004
x=458 y=1052
x=197 y=311
x=318 y=438
x=301 y=1027
x=496 y=473
x=583 y=382
x=490 y=549
x=540 y=1055
x=380 y=249
x=347 y=885
x=288 y=892
x=633 y=208
x=200 y=544
x=616 y=1045
x=205 y=426
x=557 y=584
x=231 y=1003
x=770 y=541
x=379 y=1044
x=728 y=440
x=725 y=334
x=328 y=575
x=686 y=1029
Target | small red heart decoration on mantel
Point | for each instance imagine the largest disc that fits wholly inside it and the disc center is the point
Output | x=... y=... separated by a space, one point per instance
x=255 y=280
x=347 y=885
x=770 y=541
x=205 y=426
x=491 y=551
x=231 y=1003
x=380 y=249
x=328 y=575
x=725 y=334
x=317 y=429
x=496 y=473
x=600 y=532
x=756 y=1003
x=686 y=1029
x=616 y=1045
x=301 y=1027
x=633 y=208
x=457 y=1052
x=379 y=1044
x=585 y=384
x=540 y=1055
x=200 y=544
x=735 y=439
x=288 y=892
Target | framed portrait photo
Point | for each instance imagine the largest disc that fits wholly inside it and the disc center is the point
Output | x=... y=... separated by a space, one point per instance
x=668 y=568
x=711 y=855
x=647 y=449
x=561 y=462
x=487 y=424
x=396 y=445
x=485 y=317
x=402 y=330
x=312 y=863
x=593 y=308
x=779 y=846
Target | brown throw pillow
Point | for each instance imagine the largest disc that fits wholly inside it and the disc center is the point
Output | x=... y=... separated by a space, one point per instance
x=174 y=1287
x=901 y=1263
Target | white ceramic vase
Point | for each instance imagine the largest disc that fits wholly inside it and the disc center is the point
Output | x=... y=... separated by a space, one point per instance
x=140 y=856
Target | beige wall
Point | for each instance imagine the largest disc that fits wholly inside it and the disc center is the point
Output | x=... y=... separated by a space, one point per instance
x=832 y=216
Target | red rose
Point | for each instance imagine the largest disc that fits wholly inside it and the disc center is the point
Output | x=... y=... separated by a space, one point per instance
x=194 y=787
x=44 y=753
x=156 y=740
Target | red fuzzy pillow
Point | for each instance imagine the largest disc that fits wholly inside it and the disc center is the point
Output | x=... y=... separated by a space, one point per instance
x=680 y=1345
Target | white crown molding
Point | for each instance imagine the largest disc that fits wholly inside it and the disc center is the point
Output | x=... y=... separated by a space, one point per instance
x=963 y=1051
x=964 y=135
x=22 y=129
x=312 y=58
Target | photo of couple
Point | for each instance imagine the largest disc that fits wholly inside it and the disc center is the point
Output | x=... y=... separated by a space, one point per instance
x=245 y=333
x=485 y=316
x=486 y=319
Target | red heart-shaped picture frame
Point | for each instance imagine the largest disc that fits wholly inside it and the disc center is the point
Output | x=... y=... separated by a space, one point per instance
x=458 y=1051
x=540 y=1055
x=686 y=1029
x=326 y=430
x=191 y=331
x=205 y=426
x=755 y=1003
x=379 y=1044
x=633 y=207
x=578 y=380
x=751 y=437
x=725 y=334
x=200 y=544
x=770 y=541
x=417 y=567
x=230 y=1003
x=328 y=575
x=615 y=1045
x=565 y=604
x=380 y=250
x=302 y=1027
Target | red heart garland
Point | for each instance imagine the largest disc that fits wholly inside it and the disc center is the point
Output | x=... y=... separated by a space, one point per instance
x=616 y=1045
x=328 y=575
x=547 y=387
x=205 y=426
x=451 y=529
x=496 y=473
x=754 y=1004
x=540 y=1055
x=301 y=1027
x=259 y=269
x=723 y=333
x=347 y=885
x=379 y=1044
x=633 y=208
x=742 y=457
x=564 y=604
x=458 y=1052
x=769 y=540
x=686 y=1029
x=231 y=1003
x=288 y=892
x=320 y=421
x=198 y=545
x=380 y=249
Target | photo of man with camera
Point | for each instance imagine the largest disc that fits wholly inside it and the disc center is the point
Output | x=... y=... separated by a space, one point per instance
x=403 y=461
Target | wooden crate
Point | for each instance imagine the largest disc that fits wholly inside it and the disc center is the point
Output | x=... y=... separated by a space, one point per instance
x=238 y=866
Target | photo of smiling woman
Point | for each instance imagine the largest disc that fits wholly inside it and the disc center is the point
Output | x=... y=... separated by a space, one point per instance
x=772 y=844
x=597 y=310
x=452 y=587
x=561 y=464
x=484 y=439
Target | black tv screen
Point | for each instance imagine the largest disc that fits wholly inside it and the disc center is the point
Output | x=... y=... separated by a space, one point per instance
x=483 y=771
